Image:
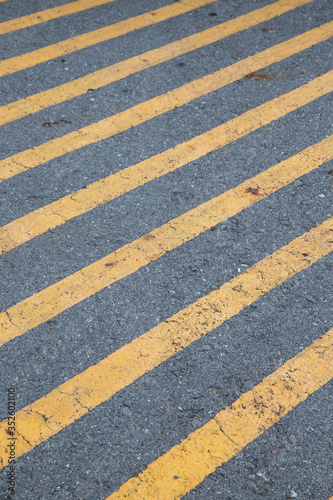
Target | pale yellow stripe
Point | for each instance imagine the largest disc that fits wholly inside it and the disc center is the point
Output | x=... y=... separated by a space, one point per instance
x=18 y=63
x=57 y=213
x=47 y=15
x=115 y=72
x=161 y=104
x=55 y=299
x=76 y=397
x=186 y=465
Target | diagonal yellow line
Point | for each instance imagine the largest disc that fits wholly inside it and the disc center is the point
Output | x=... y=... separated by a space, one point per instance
x=186 y=465
x=57 y=213
x=43 y=16
x=79 y=395
x=37 y=102
x=55 y=299
x=30 y=59
x=51 y=301
x=159 y=105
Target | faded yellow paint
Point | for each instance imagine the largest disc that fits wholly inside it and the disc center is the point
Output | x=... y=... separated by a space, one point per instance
x=44 y=54
x=49 y=14
x=57 y=213
x=73 y=399
x=147 y=110
x=186 y=465
x=115 y=72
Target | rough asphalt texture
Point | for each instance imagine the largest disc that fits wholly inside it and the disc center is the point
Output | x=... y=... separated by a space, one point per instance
x=95 y=455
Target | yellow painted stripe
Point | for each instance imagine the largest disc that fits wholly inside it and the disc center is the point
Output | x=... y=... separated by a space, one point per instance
x=115 y=72
x=18 y=63
x=55 y=299
x=50 y=216
x=47 y=15
x=73 y=399
x=57 y=213
x=157 y=106
x=186 y=465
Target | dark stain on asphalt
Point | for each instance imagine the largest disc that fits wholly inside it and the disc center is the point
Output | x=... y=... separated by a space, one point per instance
x=256 y=76
x=110 y=264
x=57 y=122
x=51 y=322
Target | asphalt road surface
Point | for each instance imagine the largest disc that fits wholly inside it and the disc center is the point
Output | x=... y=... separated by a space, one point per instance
x=166 y=235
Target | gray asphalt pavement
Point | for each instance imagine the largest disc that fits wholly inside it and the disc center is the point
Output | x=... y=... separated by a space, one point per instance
x=92 y=457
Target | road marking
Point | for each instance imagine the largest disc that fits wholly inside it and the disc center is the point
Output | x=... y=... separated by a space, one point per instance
x=62 y=295
x=57 y=213
x=30 y=59
x=79 y=395
x=47 y=15
x=186 y=465
x=34 y=103
x=154 y=107
x=53 y=300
